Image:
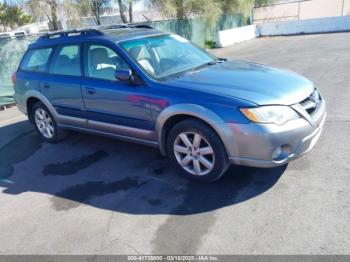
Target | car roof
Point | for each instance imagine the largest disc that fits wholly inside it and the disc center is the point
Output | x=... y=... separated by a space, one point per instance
x=109 y=34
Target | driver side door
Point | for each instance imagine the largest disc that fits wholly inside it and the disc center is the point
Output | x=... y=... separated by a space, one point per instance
x=113 y=106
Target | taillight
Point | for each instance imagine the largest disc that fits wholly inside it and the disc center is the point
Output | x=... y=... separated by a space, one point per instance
x=13 y=78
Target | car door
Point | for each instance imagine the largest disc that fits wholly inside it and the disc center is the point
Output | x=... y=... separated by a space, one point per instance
x=62 y=85
x=114 y=106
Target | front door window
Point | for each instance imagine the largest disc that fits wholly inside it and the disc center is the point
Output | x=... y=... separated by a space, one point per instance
x=102 y=62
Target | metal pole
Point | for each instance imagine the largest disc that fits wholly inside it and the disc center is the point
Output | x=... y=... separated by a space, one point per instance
x=299 y=11
x=342 y=9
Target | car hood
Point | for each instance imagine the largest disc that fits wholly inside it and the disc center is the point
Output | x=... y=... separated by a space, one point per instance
x=260 y=84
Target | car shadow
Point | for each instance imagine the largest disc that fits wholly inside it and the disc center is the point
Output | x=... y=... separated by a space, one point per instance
x=118 y=176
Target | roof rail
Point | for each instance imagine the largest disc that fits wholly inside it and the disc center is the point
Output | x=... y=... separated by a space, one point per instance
x=71 y=33
x=110 y=27
x=140 y=26
x=91 y=31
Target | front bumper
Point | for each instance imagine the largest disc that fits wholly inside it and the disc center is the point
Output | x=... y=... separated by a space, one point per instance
x=254 y=144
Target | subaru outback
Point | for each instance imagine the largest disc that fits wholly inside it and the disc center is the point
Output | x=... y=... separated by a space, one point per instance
x=139 y=84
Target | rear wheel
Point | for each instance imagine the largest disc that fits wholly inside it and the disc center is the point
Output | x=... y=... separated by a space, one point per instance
x=45 y=124
x=197 y=151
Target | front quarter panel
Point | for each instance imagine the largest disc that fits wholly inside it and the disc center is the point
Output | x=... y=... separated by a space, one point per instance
x=199 y=112
x=216 y=110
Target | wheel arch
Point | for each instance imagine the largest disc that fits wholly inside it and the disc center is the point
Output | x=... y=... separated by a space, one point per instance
x=176 y=113
x=34 y=96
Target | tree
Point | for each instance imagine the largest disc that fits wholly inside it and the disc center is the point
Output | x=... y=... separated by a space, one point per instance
x=210 y=10
x=183 y=9
x=39 y=9
x=72 y=12
x=92 y=7
x=53 y=7
x=3 y=15
x=244 y=7
x=83 y=7
x=96 y=7
x=16 y=16
x=259 y=3
x=121 y=11
x=123 y=5
x=130 y=11
x=12 y=15
x=44 y=10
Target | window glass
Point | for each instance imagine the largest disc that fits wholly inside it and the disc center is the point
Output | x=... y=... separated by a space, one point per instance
x=103 y=61
x=67 y=61
x=166 y=55
x=140 y=52
x=36 y=60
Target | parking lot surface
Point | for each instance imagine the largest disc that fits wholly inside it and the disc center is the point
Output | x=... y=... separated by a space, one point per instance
x=95 y=195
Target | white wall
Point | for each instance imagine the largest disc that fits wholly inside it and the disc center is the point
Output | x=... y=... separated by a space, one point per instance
x=280 y=12
x=309 y=26
x=305 y=9
x=236 y=35
x=319 y=25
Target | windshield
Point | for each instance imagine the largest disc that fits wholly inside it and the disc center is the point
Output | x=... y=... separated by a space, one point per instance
x=166 y=55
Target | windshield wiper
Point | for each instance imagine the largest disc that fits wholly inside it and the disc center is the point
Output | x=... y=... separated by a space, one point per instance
x=217 y=61
x=214 y=62
x=180 y=74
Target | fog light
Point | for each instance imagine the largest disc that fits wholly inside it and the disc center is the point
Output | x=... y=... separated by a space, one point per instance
x=277 y=153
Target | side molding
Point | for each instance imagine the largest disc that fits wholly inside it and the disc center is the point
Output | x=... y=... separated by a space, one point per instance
x=200 y=112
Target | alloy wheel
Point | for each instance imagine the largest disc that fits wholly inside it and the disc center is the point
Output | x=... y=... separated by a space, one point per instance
x=44 y=123
x=194 y=153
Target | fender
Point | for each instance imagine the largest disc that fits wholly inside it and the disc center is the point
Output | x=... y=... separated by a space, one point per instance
x=43 y=99
x=200 y=112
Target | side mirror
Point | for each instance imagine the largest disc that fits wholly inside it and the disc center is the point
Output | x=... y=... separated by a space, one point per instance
x=124 y=75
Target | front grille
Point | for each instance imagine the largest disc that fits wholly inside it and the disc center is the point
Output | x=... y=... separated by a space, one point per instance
x=312 y=102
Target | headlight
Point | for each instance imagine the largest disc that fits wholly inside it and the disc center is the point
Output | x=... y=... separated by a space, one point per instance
x=270 y=114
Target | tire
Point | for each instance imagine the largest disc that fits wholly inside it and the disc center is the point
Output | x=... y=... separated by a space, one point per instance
x=45 y=124
x=187 y=154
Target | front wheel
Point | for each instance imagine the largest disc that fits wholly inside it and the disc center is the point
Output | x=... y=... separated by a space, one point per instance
x=197 y=151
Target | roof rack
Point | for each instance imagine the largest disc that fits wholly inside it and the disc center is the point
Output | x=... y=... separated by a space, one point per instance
x=91 y=31
x=110 y=27
x=140 y=26
x=71 y=33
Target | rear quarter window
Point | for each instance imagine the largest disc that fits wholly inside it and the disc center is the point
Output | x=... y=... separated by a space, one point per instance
x=36 y=60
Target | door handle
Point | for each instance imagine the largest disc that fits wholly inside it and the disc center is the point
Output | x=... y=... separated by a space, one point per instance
x=91 y=90
x=46 y=85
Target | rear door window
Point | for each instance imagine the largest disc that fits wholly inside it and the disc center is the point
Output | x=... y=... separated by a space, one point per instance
x=36 y=60
x=67 y=61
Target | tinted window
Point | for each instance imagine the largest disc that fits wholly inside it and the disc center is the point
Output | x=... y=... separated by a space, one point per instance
x=102 y=62
x=36 y=60
x=67 y=61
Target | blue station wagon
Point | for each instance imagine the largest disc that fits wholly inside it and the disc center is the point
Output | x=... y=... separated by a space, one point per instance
x=139 y=84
